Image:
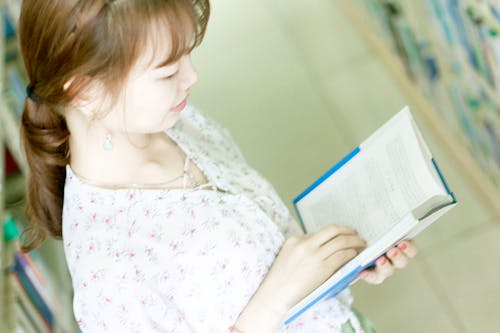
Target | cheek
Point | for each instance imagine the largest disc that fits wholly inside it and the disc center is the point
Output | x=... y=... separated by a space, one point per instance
x=154 y=95
x=148 y=106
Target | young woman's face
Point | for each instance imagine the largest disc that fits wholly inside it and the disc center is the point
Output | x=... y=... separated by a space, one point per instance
x=154 y=96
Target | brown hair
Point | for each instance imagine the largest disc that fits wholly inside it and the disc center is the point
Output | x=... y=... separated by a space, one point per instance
x=79 y=41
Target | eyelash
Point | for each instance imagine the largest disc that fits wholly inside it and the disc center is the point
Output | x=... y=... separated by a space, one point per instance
x=169 y=77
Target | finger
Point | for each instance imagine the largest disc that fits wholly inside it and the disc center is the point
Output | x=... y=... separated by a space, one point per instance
x=330 y=231
x=370 y=276
x=397 y=257
x=377 y=275
x=340 y=258
x=341 y=242
x=409 y=248
x=384 y=268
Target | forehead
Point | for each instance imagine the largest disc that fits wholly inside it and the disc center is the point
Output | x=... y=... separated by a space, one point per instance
x=156 y=48
x=165 y=43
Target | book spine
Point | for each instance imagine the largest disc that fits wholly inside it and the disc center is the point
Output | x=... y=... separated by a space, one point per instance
x=34 y=267
x=476 y=26
x=10 y=31
x=33 y=295
x=494 y=47
x=21 y=296
x=35 y=281
x=26 y=322
x=16 y=88
x=454 y=12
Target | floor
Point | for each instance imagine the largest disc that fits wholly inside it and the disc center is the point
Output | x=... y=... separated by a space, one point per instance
x=298 y=88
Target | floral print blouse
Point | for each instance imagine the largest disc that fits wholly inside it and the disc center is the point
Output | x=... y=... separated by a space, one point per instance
x=182 y=260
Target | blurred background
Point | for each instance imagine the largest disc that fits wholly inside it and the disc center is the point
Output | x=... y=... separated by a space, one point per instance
x=299 y=84
x=299 y=87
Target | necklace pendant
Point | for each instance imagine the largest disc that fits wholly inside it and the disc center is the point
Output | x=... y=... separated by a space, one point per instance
x=108 y=144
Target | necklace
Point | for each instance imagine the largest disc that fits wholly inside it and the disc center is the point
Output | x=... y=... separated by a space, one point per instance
x=186 y=174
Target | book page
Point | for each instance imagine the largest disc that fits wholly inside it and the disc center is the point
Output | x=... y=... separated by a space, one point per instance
x=387 y=179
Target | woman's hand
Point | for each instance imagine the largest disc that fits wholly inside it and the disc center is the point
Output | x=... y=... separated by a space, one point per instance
x=305 y=262
x=395 y=258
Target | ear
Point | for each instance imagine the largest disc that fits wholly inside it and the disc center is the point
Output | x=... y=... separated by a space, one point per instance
x=68 y=84
x=88 y=95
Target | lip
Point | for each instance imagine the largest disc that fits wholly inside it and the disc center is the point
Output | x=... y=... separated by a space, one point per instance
x=181 y=106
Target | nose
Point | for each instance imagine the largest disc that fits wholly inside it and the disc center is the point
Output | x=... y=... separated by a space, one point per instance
x=190 y=75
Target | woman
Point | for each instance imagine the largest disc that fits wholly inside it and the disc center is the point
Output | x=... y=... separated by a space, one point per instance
x=165 y=226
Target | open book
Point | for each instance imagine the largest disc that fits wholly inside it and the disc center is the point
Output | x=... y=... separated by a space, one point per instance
x=388 y=189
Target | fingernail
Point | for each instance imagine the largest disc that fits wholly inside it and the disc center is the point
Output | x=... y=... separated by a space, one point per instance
x=363 y=274
x=403 y=246
x=381 y=261
x=393 y=253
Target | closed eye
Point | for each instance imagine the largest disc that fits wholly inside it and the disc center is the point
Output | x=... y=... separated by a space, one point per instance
x=169 y=77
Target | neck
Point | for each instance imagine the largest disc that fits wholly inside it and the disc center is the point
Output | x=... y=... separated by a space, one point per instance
x=129 y=153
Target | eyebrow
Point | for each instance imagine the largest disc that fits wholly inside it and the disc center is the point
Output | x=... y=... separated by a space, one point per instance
x=164 y=63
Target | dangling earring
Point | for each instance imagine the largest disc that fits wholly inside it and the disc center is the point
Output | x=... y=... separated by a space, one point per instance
x=108 y=144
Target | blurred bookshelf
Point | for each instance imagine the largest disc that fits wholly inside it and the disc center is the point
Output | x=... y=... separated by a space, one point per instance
x=35 y=288
x=445 y=56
